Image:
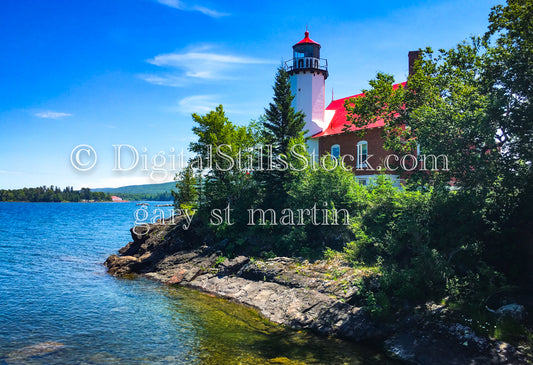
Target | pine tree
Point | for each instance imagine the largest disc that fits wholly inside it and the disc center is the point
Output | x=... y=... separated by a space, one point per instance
x=187 y=196
x=281 y=121
x=282 y=126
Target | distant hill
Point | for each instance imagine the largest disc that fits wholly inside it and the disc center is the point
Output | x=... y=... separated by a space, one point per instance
x=140 y=189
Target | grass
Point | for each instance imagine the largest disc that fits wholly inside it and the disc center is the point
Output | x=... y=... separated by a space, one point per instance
x=220 y=260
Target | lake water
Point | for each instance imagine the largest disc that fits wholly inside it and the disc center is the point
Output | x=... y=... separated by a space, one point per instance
x=54 y=288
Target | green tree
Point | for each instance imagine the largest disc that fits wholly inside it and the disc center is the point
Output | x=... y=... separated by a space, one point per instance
x=85 y=194
x=223 y=150
x=282 y=124
x=332 y=189
x=186 y=196
x=472 y=104
x=281 y=121
x=510 y=71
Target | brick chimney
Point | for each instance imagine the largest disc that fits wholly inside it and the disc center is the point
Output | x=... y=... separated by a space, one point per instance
x=413 y=56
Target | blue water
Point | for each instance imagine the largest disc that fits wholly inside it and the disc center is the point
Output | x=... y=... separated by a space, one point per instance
x=53 y=287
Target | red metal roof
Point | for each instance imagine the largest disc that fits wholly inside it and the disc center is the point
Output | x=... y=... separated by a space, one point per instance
x=339 y=121
x=307 y=39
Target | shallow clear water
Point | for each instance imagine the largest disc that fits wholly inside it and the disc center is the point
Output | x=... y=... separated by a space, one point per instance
x=54 y=288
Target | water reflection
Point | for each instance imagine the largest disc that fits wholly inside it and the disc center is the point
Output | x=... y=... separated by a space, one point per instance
x=232 y=334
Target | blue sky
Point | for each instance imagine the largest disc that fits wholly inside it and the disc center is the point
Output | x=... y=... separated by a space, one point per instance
x=112 y=72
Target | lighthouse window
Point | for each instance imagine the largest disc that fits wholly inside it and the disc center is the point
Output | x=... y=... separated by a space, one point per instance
x=306 y=50
x=362 y=153
x=335 y=151
x=309 y=50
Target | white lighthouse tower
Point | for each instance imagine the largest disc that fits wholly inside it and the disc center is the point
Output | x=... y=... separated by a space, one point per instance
x=308 y=74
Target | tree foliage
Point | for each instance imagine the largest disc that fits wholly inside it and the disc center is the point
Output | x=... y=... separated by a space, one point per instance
x=186 y=196
x=472 y=104
x=282 y=126
x=281 y=121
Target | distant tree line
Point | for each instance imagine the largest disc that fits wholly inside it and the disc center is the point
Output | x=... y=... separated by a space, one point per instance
x=52 y=194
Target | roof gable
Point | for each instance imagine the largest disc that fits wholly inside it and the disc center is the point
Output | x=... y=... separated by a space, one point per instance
x=338 y=119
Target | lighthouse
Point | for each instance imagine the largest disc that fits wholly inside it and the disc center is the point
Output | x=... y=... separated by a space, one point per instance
x=308 y=73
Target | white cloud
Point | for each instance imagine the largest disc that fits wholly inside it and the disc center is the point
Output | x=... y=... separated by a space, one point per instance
x=52 y=115
x=203 y=104
x=209 y=12
x=172 y=3
x=6 y=172
x=176 y=4
x=198 y=64
x=198 y=104
x=190 y=58
x=164 y=79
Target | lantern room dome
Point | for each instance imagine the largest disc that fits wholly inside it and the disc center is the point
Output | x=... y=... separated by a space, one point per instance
x=307 y=40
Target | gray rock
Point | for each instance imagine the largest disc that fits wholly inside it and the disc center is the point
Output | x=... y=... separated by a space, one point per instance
x=514 y=311
x=232 y=266
x=37 y=350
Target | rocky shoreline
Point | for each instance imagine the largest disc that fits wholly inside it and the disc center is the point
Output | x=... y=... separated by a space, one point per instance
x=323 y=297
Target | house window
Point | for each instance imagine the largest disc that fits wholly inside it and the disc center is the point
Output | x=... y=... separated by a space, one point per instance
x=335 y=151
x=362 y=153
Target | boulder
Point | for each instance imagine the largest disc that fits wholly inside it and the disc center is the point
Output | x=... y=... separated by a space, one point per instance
x=514 y=311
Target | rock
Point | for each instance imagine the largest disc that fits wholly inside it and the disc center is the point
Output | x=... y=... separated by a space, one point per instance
x=402 y=346
x=514 y=311
x=37 y=350
x=120 y=265
x=432 y=348
x=294 y=307
x=103 y=358
x=467 y=336
x=230 y=267
x=177 y=278
x=320 y=276
x=423 y=342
